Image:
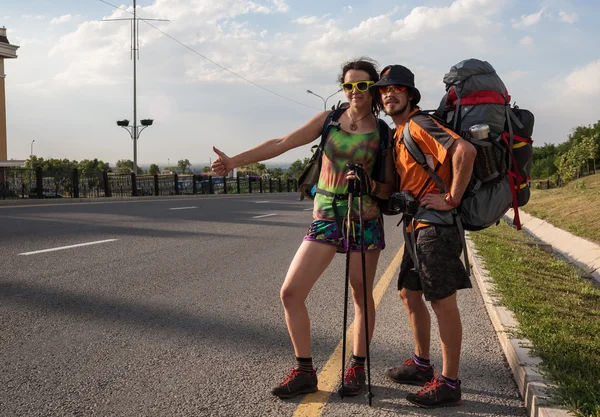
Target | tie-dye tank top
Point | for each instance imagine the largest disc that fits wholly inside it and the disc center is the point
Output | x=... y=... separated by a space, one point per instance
x=341 y=148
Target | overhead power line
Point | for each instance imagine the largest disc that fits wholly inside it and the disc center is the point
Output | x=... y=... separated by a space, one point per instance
x=213 y=62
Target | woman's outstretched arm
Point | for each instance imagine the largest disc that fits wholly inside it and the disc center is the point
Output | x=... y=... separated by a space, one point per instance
x=271 y=148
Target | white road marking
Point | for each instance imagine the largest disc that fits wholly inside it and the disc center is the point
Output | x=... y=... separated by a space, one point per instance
x=68 y=247
x=264 y=215
x=183 y=208
x=308 y=209
x=261 y=202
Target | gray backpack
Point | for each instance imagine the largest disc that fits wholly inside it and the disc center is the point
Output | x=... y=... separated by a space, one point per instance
x=475 y=96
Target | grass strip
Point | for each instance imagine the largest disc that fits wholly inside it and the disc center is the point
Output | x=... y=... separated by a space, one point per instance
x=558 y=310
x=574 y=207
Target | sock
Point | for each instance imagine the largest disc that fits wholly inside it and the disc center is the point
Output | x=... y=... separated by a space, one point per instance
x=305 y=364
x=357 y=361
x=421 y=363
x=452 y=383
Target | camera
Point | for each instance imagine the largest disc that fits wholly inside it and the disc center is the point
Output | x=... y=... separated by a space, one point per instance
x=403 y=202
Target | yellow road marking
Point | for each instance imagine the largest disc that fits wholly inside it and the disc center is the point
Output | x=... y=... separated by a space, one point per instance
x=313 y=404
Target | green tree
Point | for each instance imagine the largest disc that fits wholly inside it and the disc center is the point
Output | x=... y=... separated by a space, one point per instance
x=184 y=166
x=569 y=163
x=153 y=169
x=543 y=165
x=125 y=166
x=275 y=172
x=93 y=167
x=590 y=148
x=255 y=168
x=206 y=169
x=296 y=168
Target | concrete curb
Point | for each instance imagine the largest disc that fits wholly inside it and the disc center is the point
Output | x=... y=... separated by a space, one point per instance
x=532 y=385
x=576 y=250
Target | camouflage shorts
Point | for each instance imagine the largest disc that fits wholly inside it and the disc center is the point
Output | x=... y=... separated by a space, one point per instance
x=442 y=271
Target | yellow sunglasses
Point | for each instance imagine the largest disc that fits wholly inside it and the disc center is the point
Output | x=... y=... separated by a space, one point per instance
x=361 y=86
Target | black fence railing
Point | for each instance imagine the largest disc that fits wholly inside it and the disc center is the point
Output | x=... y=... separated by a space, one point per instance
x=37 y=183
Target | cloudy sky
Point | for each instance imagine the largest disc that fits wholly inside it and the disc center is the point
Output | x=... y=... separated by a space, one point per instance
x=73 y=78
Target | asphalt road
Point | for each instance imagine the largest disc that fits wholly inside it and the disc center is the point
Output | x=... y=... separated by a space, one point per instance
x=176 y=312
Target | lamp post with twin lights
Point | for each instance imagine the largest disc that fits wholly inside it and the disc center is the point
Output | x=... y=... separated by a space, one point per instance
x=134 y=132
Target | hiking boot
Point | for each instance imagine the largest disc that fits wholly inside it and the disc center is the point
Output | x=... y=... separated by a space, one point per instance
x=296 y=382
x=436 y=394
x=354 y=381
x=409 y=373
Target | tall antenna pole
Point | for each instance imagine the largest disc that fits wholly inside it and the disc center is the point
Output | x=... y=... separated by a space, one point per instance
x=135 y=58
x=135 y=49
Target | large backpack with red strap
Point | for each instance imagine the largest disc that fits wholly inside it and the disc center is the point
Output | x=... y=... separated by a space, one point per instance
x=476 y=95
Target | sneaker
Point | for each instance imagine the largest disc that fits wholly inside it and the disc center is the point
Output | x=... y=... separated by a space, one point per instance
x=436 y=394
x=354 y=381
x=296 y=382
x=409 y=373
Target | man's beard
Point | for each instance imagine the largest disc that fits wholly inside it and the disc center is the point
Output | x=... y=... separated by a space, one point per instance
x=397 y=112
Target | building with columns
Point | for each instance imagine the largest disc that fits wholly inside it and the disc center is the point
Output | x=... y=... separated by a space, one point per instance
x=7 y=51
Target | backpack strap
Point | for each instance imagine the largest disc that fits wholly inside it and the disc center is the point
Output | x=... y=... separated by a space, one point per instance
x=457 y=120
x=417 y=154
x=512 y=164
x=384 y=143
x=331 y=122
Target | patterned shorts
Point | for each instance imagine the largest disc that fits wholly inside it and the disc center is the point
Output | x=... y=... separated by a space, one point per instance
x=442 y=271
x=326 y=231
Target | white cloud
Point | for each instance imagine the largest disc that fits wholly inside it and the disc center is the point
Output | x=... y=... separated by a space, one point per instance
x=348 y=9
x=307 y=20
x=529 y=19
x=33 y=17
x=471 y=12
x=526 y=41
x=62 y=19
x=568 y=18
x=584 y=80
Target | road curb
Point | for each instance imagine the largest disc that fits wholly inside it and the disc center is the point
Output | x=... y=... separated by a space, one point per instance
x=578 y=251
x=534 y=389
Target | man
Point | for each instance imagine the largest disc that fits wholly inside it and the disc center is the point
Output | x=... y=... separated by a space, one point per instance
x=437 y=249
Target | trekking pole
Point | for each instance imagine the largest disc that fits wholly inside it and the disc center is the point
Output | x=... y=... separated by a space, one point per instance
x=364 y=274
x=347 y=243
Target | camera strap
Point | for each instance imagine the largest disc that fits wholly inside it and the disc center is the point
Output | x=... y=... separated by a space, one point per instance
x=410 y=240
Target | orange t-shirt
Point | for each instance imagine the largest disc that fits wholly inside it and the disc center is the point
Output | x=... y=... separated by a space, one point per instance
x=434 y=140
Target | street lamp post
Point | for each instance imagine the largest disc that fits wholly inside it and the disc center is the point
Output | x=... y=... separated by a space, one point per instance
x=135 y=132
x=31 y=149
x=324 y=99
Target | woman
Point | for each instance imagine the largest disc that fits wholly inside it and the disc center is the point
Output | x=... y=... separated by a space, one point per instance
x=356 y=141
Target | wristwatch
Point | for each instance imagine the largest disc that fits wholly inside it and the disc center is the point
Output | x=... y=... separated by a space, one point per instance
x=450 y=201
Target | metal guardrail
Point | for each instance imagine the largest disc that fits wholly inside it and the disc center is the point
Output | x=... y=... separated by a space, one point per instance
x=36 y=183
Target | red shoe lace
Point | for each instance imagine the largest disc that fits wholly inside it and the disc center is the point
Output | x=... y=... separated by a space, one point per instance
x=407 y=362
x=292 y=373
x=431 y=386
x=350 y=375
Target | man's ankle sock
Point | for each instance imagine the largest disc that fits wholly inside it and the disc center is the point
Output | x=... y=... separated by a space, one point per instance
x=421 y=362
x=452 y=383
x=305 y=364
x=357 y=361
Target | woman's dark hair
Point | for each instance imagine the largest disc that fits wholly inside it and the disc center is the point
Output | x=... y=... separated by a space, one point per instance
x=369 y=66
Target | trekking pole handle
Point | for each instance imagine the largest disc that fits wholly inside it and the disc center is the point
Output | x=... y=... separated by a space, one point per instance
x=359 y=173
